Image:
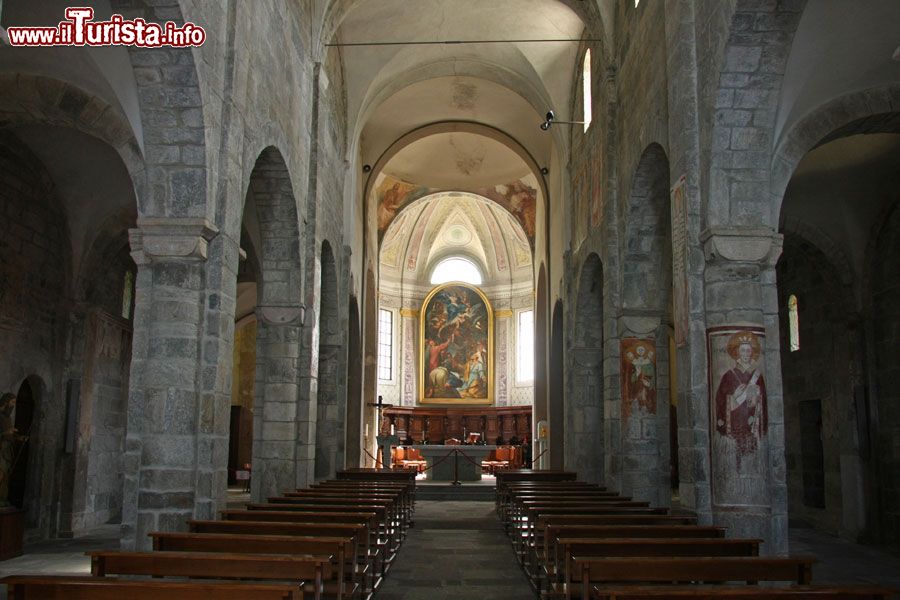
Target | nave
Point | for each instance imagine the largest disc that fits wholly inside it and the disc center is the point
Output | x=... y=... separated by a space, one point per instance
x=458 y=548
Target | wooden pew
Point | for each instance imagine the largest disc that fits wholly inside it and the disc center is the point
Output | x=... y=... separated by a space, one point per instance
x=343 y=548
x=591 y=569
x=744 y=593
x=22 y=587
x=309 y=571
x=547 y=556
x=384 y=527
x=567 y=548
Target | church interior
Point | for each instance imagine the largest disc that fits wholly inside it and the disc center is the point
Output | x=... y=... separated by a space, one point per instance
x=440 y=262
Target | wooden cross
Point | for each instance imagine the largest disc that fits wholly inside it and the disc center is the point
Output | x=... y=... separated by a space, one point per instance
x=380 y=405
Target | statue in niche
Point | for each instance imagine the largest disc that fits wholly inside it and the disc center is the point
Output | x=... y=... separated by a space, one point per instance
x=10 y=444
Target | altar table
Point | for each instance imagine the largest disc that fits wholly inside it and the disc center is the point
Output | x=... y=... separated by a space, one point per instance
x=432 y=453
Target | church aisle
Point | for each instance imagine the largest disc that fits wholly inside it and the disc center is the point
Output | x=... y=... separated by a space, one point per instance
x=456 y=550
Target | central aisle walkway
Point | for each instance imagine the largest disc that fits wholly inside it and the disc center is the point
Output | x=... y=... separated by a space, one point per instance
x=456 y=550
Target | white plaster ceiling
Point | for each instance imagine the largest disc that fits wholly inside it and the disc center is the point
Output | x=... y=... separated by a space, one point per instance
x=540 y=74
x=453 y=224
x=840 y=46
x=459 y=159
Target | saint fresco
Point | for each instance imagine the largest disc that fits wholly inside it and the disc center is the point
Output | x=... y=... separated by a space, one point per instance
x=739 y=414
x=457 y=346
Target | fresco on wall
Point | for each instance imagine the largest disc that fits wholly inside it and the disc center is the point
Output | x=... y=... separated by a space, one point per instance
x=680 y=300
x=738 y=414
x=393 y=194
x=457 y=346
x=518 y=198
x=638 y=376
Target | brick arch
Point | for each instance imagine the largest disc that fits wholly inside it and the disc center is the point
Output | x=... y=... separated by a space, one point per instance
x=584 y=415
x=875 y=110
x=743 y=103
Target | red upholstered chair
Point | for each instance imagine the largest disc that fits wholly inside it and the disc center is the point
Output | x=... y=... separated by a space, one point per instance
x=503 y=456
x=414 y=460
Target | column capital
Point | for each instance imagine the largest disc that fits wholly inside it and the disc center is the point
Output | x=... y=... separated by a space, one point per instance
x=171 y=239
x=761 y=245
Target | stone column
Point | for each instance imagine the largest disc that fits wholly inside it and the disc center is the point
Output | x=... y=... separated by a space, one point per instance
x=174 y=460
x=278 y=416
x=644 y=388
x=409 y=348
x=503 y=340
x=746 y=431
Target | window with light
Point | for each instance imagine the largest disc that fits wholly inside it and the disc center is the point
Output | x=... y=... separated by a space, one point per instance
x=525 y=348
x=385 y=344
x=586 y=88
x=456 y=269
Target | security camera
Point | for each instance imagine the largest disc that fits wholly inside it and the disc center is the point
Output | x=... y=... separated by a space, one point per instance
x=545 y=125
x=550 y=116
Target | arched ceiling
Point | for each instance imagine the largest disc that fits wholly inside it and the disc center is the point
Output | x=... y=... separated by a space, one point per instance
x=454 y=224
x=839 y=48
x=539 y=73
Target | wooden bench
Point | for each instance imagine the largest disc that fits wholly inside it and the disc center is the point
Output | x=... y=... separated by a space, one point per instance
x=368 y=570
x=21 y=587
x=744 y=593
x=592 y=569
x=310 y=571
x=342 y=548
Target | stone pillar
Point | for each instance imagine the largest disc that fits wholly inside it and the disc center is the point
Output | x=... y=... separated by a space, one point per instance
x=746 y=431
x=175 y=460
x=280 y=422
x=644 y=388
x=409 y=348
x=502 y=343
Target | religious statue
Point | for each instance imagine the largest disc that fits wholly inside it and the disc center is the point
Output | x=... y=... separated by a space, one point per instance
x=741 y=395
x=10 y=443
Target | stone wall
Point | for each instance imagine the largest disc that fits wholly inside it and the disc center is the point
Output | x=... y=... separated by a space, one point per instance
x=886 y=316
x=816 y=373
x=33 y=290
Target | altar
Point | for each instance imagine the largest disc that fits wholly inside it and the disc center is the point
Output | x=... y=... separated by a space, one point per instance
x=444 y=471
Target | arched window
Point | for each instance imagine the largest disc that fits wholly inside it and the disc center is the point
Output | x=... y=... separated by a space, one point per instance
x=586 y=88
x=456 y=269
x=794 y=319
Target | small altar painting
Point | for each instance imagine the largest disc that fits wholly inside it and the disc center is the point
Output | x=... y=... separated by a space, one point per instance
x=738 y=413
x=638 y=376
x=457 y=333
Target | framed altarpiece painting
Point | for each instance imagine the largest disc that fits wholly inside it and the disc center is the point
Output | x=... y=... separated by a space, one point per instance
x=456 y=341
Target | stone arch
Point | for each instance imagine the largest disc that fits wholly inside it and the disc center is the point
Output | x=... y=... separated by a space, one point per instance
x=742 y=104
x=556 y=385
x=584 y=410
x=279 y=430
x=868 y=111
x=30 y=99
x=647 y=314
x=171 y=97
x=354 y=386
x=330 y=412
x=541 y=408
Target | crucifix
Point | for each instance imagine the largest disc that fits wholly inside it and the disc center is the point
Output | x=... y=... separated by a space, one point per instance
x=384 y=441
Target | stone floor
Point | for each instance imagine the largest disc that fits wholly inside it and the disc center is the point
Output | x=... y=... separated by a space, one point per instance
x=458 y=550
